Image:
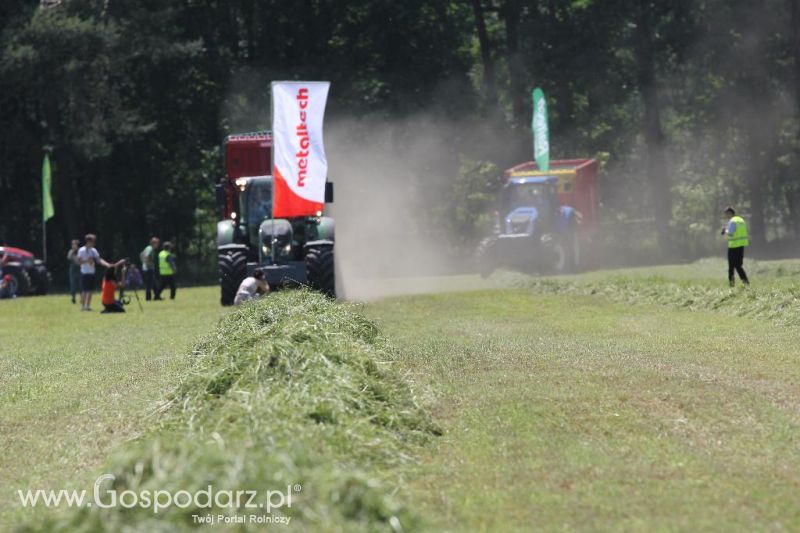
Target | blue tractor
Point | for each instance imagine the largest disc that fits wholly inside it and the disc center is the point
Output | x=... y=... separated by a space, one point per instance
x=533 y=231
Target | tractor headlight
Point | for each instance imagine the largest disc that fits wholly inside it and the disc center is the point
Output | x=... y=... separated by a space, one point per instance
x=287 y=249
x=265 y=250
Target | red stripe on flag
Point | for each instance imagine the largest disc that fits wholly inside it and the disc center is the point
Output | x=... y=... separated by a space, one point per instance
x=288 y=204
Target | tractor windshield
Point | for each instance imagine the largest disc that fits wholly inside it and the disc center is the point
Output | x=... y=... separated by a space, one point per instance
x=256 y=205
x=258 y=202
x=528 y=195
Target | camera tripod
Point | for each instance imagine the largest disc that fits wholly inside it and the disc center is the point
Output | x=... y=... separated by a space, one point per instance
x=126 y=301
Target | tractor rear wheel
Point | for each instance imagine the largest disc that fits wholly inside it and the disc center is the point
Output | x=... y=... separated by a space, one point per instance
x=40 y=279
x=555 y=255
x=232 y=271
x=320 y=269
x=19 y=279
x=574 y=243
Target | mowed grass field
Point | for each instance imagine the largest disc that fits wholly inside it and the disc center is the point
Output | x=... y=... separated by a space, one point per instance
x=581 y=403
x=568 y=411
x=74 y=386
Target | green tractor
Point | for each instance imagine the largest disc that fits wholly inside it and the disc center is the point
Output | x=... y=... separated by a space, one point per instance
x=290 y=251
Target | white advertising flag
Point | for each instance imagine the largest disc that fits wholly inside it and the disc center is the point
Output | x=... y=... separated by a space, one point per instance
x=299 y=165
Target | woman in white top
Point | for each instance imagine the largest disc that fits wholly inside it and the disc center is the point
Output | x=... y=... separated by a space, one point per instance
x=251 y=288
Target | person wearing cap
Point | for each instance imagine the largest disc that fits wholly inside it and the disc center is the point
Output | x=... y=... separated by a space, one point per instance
x=736 y=231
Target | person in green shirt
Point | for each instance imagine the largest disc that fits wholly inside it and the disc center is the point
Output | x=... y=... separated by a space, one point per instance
x=150 y=266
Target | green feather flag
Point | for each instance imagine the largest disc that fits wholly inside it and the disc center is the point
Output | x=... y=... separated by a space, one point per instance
x=541 y=135
x=47 y=200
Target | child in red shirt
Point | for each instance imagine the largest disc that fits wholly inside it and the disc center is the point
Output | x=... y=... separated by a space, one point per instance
x=109 y=300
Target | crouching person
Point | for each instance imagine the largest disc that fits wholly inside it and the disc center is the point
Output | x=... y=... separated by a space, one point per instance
x=251 y=288
x=109 y=300
x=7 y=287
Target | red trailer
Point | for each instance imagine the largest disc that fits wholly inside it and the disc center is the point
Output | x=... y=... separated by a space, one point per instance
x=246 y=155
x=577 y=186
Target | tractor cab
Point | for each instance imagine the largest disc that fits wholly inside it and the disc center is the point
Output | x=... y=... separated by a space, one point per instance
x=255 y=206
x=529 y=204
x=274 y=241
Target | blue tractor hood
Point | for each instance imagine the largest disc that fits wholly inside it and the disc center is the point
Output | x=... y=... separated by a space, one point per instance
x=521 y=220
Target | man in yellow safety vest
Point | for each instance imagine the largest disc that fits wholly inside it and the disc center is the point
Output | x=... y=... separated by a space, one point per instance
x=166 y=271
x=736 y=231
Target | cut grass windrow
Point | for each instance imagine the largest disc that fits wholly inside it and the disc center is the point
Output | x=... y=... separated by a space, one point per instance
x=772 y=297
x=294 y=393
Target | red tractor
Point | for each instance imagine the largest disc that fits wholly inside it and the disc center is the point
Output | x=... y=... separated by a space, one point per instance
x=28 y=275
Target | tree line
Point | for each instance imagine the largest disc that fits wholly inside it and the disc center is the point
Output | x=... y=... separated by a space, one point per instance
x=690 y=104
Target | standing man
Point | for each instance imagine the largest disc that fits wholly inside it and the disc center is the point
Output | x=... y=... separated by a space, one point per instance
x=88 y=257
x=736 y=231
x=74 y=268
x=4 y=260
x=166 y=271
x=148 y=257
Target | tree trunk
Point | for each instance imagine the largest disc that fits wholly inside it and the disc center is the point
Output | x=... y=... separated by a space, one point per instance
x=794 y=36
x=489 y=84
x=794 y=18
x=653 y=134
x=511 y=12
x=758 y=169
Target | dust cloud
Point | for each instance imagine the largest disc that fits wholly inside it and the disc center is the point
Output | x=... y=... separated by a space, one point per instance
x=390 y=180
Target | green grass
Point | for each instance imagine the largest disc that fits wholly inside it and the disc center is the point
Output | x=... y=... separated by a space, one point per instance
x=74 y=386
x=291 y=391
x=773 y=295
x=567 y=410
x=641 y=399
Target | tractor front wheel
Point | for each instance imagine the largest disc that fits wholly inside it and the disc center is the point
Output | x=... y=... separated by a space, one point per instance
x=487 y=257
x=40 y=279
x=232 y=271
x=20 y=279
x=320 y=269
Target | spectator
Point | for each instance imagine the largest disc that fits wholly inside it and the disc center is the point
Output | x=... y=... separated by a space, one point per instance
x=150 y=267
x=7 y=289
x=252 y=287
x=166 y=271
x=109 y=300
x=4 y=260
x=88 y=257
x=74 y=268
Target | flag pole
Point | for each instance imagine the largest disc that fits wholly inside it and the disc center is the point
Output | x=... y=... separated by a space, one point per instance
x=272 y=168
x=44 y=209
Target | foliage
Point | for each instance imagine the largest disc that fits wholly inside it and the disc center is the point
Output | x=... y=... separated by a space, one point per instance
x=468 y=213
x=696 y=104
